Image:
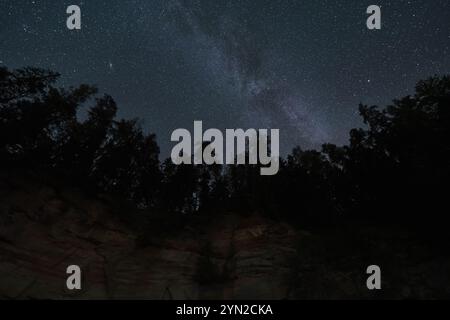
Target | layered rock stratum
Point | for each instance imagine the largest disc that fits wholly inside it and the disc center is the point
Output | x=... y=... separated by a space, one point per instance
x=46 y=226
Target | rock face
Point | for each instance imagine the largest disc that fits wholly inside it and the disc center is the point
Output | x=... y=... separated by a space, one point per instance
x=45 y=229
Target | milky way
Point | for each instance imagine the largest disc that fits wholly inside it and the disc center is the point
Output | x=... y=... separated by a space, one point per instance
x=300 y=66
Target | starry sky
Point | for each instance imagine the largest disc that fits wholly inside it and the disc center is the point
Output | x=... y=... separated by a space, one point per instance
x=298 y=66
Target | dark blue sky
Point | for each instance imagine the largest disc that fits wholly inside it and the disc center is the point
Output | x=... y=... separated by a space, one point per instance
x=299 y=66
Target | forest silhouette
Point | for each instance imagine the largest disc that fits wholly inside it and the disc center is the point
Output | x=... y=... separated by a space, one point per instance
x=395 y=170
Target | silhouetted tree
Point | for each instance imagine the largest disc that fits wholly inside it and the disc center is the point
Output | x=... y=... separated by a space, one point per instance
x=393 y=170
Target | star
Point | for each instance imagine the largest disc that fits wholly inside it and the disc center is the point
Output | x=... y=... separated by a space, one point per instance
x=252 y=64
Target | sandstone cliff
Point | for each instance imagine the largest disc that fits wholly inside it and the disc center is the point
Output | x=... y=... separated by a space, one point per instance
x=47 y=226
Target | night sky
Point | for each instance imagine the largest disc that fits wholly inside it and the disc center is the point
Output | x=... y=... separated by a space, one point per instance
x=299 y=66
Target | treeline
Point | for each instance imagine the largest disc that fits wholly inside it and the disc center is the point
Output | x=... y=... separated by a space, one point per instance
x=395 y=169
